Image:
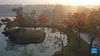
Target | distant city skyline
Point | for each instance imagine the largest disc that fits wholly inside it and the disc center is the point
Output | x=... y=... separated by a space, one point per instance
x=63 y=2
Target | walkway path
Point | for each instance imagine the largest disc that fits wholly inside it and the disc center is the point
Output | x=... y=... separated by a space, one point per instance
x=85 y=38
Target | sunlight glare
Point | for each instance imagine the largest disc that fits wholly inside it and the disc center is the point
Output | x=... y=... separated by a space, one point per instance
x=79 y=2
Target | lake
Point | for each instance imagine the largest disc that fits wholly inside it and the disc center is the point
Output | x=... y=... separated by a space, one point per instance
x=47 y=48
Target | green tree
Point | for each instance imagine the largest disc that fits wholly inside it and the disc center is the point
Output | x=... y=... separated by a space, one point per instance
x=18 y=10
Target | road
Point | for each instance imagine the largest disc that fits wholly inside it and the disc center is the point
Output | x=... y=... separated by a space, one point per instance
x=85 y=38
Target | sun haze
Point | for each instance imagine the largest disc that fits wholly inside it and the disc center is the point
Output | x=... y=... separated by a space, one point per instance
x=63 y=2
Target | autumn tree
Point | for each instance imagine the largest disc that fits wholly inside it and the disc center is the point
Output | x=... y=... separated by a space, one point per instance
x=20 y=17
x=8 y=23
x=42 y=20
x=20 y=20
x=93 y=27
x=77 y=22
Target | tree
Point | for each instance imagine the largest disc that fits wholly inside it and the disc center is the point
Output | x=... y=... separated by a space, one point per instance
x=57 y=14
x=77 y=23
x=33 y=14
x=18 y=10
x=81 y=9
x=94 y=26
x=20 y=20
x=61 y=30
x=8 y=23
x=32 y=17
x=42 y=20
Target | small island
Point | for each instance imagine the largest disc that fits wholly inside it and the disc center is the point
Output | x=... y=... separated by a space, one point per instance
x=26 y=36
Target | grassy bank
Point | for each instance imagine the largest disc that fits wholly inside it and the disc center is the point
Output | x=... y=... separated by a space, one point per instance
x=25 y=36
x=73 y=48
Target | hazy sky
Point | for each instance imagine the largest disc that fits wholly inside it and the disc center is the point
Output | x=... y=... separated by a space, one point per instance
x=64 y=2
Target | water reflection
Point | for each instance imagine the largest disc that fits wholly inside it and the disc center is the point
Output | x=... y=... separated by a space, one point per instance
x=27 y=52
x=0 y=25
x=11 y=46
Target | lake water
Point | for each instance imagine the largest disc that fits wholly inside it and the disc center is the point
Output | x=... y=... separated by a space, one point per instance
x=47 y=48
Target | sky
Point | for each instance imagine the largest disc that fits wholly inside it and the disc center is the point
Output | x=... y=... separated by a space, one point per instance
x=63 y=2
